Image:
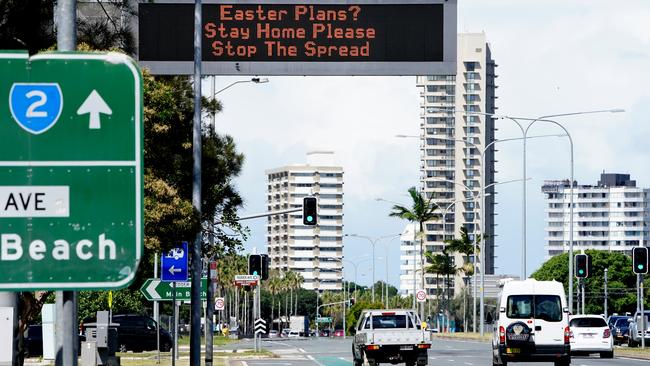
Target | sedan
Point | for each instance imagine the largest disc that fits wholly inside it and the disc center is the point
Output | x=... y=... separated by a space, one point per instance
x=590 y=334
x=273 y=334
x=620 y=330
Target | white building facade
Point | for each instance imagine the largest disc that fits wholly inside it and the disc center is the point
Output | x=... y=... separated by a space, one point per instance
x=451 y=170
x=409 y=261
x=612 y=215
x=316 y=252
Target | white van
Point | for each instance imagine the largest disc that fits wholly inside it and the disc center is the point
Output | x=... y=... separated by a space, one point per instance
x=532 y=324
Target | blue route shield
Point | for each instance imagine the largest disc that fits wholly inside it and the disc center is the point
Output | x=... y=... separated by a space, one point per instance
x=36 y=106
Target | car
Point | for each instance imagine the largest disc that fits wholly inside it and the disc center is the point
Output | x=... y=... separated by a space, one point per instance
x=634 y=330
x=138 y=333
x=273 y=334
x=590 y=334
x=33 y=341
x=339 y=333
x=620 y=330
x=285 y=332
x=325 y=333
x=183 y=328
x=293 y=334
x=532 y=324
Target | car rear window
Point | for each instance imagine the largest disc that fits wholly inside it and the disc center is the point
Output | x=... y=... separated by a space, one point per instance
x=387 y=322
x=543 y=307
x=587 y=323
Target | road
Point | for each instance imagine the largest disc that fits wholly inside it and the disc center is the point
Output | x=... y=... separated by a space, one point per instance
x=337 y=352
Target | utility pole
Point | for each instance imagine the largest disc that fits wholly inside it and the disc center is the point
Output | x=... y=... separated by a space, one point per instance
x=605 y=293
x=66 y=301
x=195 y=314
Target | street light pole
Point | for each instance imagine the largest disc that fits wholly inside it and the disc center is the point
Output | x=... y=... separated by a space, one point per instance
x=571 y=185
x=372 y=242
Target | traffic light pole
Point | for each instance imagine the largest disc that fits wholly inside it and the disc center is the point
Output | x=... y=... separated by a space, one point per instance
x=582 y=295
x=643 y=325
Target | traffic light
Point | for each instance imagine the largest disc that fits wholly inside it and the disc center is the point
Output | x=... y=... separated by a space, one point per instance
x=640 y=260
x=265 y=266
x=255 y=264
x=582 y=265
x=309 y=211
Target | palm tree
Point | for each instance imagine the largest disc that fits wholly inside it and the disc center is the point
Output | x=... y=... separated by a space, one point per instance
x=297 y=281
x=273 y=286
x=442 y=265
x=421 y=211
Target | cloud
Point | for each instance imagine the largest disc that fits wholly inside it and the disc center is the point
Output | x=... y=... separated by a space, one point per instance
x=554 y=56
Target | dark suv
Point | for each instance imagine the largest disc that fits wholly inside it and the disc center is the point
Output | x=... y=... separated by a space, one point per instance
x=138 y=333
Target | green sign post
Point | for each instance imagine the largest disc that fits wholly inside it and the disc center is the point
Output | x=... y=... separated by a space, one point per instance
x=324 y=319
x=154 y=289
x=71 y=211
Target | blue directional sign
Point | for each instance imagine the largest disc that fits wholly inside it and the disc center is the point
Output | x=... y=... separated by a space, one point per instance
x=174 y=264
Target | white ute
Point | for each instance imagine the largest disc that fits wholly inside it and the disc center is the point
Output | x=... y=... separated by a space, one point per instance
x=390 y=336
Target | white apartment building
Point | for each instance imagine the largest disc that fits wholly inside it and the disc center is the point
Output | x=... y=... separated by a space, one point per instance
x=612 y=215
x=409 y=260
x=451 y=170
x=316 y=252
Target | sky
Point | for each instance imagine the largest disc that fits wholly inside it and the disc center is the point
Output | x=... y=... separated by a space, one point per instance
x=553 y=57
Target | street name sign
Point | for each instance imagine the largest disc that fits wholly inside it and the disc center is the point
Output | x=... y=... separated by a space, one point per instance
x=153 y=289
x=71 y=211
x=246 y=280
x=324 y=319
x=174 y=264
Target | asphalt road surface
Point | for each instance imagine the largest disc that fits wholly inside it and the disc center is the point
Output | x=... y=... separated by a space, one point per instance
x=337 y=352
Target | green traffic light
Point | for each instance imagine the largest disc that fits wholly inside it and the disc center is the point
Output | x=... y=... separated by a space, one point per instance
x=310 y=218
x=639 y=266
x=581 y=271
x=254 y=273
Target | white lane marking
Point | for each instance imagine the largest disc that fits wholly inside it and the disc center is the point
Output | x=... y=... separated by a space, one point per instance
x=243 y=363
x=302 y=350
x=469 y=363
x=311 y=358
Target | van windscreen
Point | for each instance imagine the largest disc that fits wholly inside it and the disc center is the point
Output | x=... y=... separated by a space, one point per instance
x=542 y=307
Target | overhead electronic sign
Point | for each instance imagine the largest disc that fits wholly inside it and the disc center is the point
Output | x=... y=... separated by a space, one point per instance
x=286 y=38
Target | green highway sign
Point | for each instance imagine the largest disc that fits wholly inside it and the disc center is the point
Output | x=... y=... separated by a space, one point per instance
x=324 y=319
x=154 y=289
x=71 y=178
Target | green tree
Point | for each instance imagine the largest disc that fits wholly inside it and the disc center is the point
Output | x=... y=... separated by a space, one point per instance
x=621 y=280
x=421 y=211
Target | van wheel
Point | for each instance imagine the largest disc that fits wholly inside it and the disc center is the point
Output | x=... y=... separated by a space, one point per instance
x=607 y=354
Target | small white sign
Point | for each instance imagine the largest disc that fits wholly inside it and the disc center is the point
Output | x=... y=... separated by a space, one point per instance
x=421 y=296
x=34 y=201
x=219 y=303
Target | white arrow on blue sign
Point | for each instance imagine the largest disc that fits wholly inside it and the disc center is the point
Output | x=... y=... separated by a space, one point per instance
x=174 y=264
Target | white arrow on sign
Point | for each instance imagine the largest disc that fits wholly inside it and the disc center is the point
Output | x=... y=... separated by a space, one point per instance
x=151 y=289
x=94 y=105
x=173 y=270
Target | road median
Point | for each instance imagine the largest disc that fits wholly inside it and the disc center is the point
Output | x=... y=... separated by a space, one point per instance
x=463 y=336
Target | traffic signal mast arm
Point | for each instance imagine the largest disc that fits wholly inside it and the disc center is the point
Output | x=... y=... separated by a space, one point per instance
x=256 y=216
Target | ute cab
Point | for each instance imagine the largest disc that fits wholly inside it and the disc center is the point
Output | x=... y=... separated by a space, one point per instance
x=532 y=324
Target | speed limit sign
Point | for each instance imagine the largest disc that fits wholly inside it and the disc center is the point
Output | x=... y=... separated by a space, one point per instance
x=421 y=296
x=219 y=303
